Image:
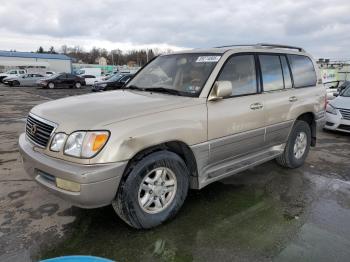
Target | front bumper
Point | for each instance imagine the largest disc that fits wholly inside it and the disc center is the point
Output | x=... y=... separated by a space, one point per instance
x=336 y=122
x=98 y=183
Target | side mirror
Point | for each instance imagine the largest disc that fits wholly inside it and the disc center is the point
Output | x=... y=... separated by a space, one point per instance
x=221 y=89
x=336 y=94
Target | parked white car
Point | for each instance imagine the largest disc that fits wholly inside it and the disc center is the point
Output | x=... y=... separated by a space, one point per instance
x=338 y=112
x=12 y=73
x=91 y=79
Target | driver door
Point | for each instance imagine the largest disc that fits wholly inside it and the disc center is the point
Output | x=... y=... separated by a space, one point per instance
x=236 y=125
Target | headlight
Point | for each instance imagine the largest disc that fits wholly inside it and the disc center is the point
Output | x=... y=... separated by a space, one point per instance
x=58 y=142
x=85 y=144
x=331 y=109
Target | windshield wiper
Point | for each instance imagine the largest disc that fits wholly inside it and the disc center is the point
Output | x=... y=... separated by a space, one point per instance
x=134 y=87
x=163 y=90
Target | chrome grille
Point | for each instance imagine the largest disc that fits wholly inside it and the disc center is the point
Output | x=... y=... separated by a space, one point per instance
x=38 y=131
x=345 y=113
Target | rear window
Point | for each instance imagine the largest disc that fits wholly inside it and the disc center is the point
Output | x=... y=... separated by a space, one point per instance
x=303 y=71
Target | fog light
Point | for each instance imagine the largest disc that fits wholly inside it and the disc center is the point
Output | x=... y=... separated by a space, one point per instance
x=67 y=185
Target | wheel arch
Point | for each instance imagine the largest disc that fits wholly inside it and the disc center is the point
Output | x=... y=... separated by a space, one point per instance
x=178 y=147
x=309 y=118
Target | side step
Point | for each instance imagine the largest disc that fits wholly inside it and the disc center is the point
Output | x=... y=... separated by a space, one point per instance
x=230 y=167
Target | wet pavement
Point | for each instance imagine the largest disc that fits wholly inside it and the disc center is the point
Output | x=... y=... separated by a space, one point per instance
x=264 y=214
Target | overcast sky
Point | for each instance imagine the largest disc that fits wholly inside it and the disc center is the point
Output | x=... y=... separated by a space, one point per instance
x=320 y=26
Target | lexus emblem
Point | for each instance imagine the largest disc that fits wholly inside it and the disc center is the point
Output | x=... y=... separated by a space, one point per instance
x=33 y=129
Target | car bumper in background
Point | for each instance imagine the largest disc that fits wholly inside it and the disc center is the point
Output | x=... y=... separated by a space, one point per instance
x=336 y=122
x=86 y=186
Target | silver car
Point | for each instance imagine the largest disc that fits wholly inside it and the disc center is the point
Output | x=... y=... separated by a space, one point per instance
x=25 y=80
x=338 y=112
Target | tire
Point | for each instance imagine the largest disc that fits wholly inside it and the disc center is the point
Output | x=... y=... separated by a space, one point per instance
x=15 y=83
x=51 y=85
x=292 y=158
x=128 y=202
x=77 y=85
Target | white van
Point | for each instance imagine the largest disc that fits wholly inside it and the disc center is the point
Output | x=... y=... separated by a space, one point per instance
x=90 y=71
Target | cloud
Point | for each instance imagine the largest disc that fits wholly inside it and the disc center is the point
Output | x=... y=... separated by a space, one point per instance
x=318 y=25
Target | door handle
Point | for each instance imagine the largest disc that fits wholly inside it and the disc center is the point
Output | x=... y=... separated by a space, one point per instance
x=293 y=99
x=256 y=106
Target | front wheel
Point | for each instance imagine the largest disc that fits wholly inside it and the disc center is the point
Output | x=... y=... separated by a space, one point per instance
x=153 y=191
x=15 y=83
x=298 y=146
x=51 y=85
x=77 y=85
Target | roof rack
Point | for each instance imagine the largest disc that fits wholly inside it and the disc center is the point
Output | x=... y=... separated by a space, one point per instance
x=266 y=45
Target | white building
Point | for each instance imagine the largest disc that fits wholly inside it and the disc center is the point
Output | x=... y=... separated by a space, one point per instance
x=53 y=62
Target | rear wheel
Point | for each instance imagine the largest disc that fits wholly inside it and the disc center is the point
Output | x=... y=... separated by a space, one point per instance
x=153 y=191
x=77 y=85
x=15 y=83
x=51 y=85
x=298 y=146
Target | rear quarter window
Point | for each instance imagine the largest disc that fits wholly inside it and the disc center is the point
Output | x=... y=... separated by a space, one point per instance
x=304 y=74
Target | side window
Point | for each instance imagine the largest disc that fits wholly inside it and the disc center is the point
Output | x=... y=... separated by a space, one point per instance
x=271 y=72
x=22 y=72
x=13 y=72
x=240 y=71
x=286 y=73
x=303 y=71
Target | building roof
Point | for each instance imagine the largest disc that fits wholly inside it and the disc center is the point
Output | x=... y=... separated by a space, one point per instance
x=33 y=55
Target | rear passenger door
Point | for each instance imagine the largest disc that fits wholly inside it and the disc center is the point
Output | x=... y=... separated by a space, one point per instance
x=278 y=96
x=71 y=79
x=236 y=124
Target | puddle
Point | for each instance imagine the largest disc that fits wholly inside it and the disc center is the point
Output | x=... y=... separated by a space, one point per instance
x=222 y=222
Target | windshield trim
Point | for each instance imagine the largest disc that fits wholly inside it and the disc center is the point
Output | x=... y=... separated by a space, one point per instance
x=186 y=94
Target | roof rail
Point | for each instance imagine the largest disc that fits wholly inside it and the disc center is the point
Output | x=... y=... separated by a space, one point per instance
x=280 y=46
x=262 y=45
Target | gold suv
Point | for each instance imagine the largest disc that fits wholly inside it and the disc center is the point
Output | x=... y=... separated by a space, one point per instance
x=185 y=120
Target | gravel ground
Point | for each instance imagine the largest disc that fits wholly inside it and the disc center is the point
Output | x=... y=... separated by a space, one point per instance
x=263 y=214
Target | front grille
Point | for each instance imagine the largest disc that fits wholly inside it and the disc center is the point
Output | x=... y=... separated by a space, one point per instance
x=38 y=131
x=344 y=127
x=345 y=113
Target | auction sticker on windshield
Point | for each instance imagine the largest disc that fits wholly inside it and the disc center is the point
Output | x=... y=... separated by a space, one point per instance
x=206 y=59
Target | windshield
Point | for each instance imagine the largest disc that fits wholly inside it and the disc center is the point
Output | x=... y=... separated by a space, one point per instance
x=52 y=76
x=114 y=78
x=185 y=74
x=346 y=92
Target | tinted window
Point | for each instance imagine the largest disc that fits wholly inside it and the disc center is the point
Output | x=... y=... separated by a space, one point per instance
x=271 y=72
x=286 y=73
x=240 y=71
x=22 y=72
x=61 y=77
x=89 y=76
x=303 y=71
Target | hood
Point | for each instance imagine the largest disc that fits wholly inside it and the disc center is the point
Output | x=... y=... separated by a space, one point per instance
x=94 y=111
x=10 y=78
x=341 y=102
